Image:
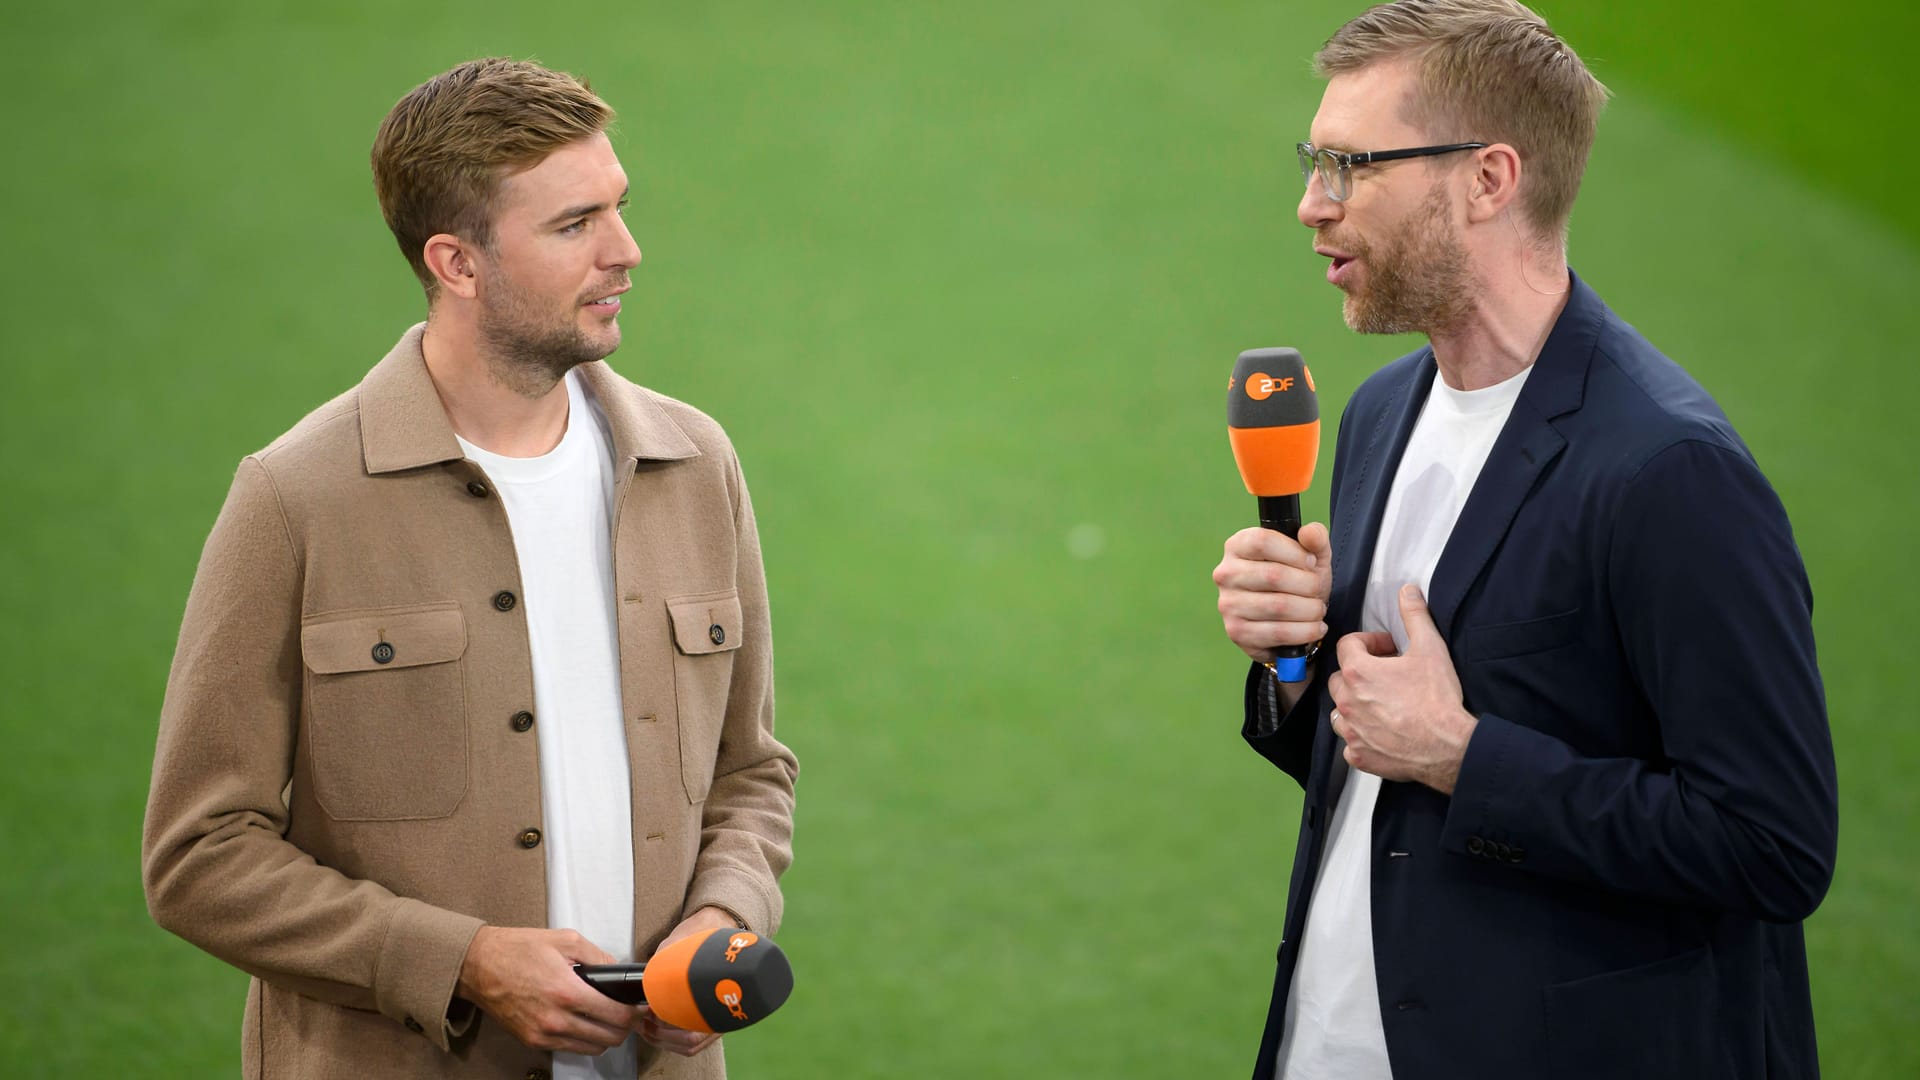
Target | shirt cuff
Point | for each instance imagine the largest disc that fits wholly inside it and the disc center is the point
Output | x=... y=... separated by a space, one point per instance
x=419 y=969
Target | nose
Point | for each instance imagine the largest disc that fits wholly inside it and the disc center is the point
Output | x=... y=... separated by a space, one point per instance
x=623 y=254
x=1316 y=210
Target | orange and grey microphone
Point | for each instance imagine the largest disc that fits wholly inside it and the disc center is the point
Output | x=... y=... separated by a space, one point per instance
x=1273 y=423
x=715 y=981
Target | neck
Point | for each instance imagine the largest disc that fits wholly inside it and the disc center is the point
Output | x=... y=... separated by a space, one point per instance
x=488 y=403
x=1518 y=306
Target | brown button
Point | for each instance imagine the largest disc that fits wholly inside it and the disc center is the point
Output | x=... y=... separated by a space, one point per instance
x=383 y=653
x=522 y=720
x=414 y=1026
x=477 y=489
x=539 y=1074
x=504 y=601
x=718 y=633
x=530 y=838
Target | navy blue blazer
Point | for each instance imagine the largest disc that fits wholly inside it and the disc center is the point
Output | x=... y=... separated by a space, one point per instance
x=1647 y=809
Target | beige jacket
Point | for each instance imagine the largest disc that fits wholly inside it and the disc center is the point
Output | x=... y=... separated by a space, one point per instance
x=346 y=784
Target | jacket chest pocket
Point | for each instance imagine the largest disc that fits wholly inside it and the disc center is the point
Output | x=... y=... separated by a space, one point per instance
x=707 y=631
x=386 y=711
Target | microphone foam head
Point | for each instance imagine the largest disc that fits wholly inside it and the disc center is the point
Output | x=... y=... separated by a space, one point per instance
x=718 y=981
x=1273 y=421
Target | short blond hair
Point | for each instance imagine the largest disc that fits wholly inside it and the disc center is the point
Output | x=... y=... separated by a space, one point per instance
x=444 y=150
x=1490 y=71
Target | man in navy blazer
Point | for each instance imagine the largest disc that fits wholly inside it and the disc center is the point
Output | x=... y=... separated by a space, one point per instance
x=1570 y=790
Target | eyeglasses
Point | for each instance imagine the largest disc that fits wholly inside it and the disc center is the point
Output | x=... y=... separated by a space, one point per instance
x=1336 y=167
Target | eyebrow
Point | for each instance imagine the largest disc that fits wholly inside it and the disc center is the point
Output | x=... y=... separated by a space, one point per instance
x=572 y=212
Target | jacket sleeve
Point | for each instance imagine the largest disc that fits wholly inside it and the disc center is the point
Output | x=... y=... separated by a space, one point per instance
x=1714 y=612
x=1286 y=740
x=746 y=836
x=216 y=863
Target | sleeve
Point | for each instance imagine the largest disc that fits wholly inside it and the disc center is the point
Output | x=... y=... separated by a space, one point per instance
x=1715 y=615
x=216 y=863
x=1287 y=740
x=746 y=837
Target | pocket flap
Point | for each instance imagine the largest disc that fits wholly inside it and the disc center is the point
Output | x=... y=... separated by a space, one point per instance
x=1519 y=638
x=383 y=638
x=707 y=623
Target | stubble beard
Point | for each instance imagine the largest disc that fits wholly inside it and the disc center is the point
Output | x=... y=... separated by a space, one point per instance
x=1419 y=280
x=529 y=352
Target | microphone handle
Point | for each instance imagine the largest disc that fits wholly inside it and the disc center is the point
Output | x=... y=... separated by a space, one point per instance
x=621 y=982
x=1281 y=513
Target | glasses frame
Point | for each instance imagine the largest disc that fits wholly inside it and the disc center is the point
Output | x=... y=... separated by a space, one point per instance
x=1341 y=163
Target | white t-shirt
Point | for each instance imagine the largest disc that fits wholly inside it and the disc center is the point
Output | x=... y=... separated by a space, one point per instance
x=560 y=506
x=1333 y=1026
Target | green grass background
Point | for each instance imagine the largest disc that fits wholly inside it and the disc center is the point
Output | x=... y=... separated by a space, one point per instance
x=961 y=279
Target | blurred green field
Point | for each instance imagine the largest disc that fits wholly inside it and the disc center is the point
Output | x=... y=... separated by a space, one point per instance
x=963 y=282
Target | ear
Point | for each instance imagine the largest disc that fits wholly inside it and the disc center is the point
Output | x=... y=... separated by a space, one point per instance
x=451 y=261
x=1495 y=182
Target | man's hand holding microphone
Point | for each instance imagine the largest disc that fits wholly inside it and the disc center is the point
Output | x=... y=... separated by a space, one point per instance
x=529 y=981
x=1401 y=714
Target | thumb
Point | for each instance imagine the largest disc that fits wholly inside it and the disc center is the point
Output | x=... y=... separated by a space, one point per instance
x=1422 y=634
x=1313 y=536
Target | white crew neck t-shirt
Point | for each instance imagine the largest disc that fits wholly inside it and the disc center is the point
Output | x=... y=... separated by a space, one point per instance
x=1333 y=1025
x=560 y=506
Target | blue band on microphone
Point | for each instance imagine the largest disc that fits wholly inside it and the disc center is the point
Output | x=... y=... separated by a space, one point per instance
x=1290 y=668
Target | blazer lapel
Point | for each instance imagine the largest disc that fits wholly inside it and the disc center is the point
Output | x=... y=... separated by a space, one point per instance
x=1363 y=498
x=1526 y=447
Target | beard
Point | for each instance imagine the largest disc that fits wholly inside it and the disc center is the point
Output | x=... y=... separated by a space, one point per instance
x=529 y=349
x=1418 y=278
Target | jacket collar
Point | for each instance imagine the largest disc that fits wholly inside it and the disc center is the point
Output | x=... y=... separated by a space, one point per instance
x=1525 y=447
x=404 y=426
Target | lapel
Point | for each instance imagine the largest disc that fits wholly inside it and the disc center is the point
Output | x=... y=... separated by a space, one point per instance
x=1526 y=446
x=1363 y=498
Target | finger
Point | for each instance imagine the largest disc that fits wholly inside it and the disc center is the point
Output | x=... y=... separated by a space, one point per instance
x=1315 y=541
x=684 y=1043
x=588 y=1031
x=1354 y=648
x=574 y=946
x=1268 y=545
x=1376 y=642
x=1422 y=634
x=599 y=1008
x=1260 y=639
x=1337 y=688
x=1339 y=724
x=1277 y=606
x=659 y=1033
x=1259 y=576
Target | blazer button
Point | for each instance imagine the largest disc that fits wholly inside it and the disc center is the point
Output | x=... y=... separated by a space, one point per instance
x=530 y=838
x=539 y=1074
x=522 y=720
x=1518 y=855
x=414 y=1026
x=383 y=653
x=718 y=633
x=1504 y=852
x=1475 y=845
x=503 y=601
x=477 y=489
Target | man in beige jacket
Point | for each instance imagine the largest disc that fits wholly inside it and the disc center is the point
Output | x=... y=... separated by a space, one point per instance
x=475 y=680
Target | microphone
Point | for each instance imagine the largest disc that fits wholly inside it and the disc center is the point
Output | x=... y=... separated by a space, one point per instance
x=714 y=981
x=1273 y=424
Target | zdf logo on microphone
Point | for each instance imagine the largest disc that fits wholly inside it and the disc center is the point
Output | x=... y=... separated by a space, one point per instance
x=738 y=942
x=728 y=992
x=1261 y=386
